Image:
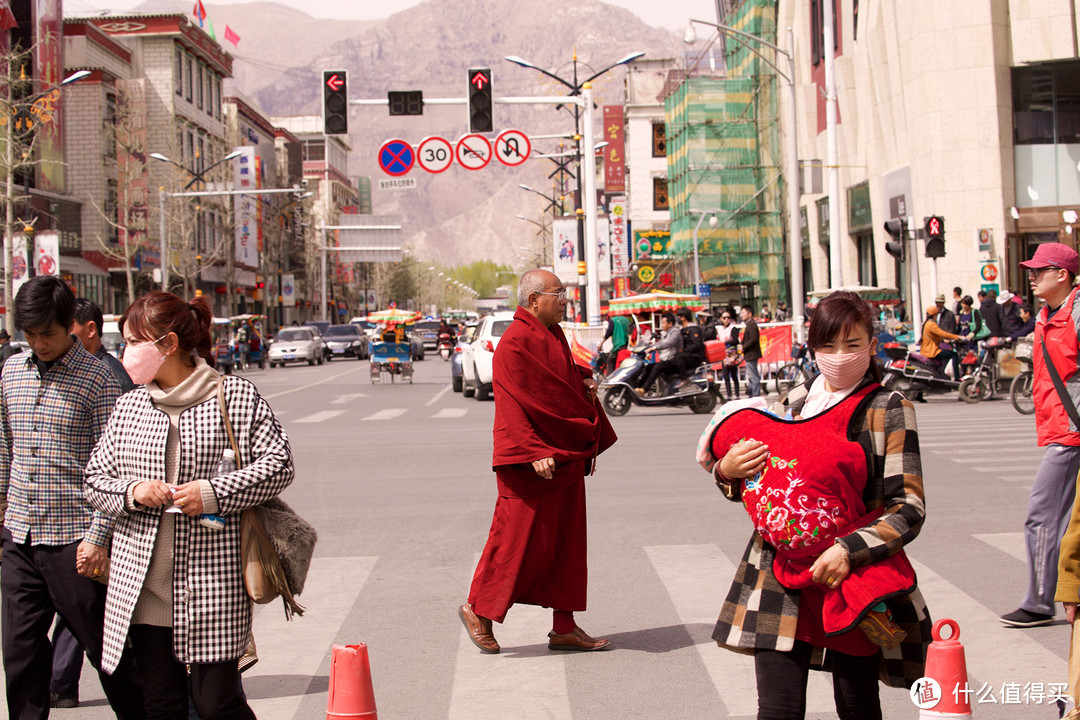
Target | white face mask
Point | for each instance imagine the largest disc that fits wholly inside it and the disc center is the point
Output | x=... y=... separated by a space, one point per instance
x=142 y=361
x=844 y=370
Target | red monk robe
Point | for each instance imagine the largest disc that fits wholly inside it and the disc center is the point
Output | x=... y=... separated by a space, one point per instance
x=536 y=549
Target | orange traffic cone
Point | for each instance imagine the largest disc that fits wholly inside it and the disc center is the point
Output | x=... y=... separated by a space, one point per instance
x=351 y=694
x=946 y=666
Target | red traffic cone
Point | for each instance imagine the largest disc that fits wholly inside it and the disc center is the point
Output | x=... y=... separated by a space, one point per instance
x=945 y=664
x=351 y=693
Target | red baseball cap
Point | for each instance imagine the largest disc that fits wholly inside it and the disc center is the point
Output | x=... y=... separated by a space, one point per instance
x=1053 y=255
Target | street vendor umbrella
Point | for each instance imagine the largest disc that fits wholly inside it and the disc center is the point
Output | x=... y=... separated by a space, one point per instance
x=393 y=316
x=654 y=302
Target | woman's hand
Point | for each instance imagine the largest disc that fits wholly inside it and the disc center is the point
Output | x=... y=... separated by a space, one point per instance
x=1070 y=612
x=831 y=567
x=746 y=458
x=151 y=494
x=91 y=560
x=188 y=497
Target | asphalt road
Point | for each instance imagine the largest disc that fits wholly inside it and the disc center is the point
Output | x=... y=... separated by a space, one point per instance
x=397 y=480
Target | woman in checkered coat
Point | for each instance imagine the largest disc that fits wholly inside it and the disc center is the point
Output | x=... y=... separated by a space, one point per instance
x=175 y=587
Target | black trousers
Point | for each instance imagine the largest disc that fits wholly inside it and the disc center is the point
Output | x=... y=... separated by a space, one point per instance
x=664 y=367
x=685 y=362
x=215 y=687
x=37 y=583
x=782 y=676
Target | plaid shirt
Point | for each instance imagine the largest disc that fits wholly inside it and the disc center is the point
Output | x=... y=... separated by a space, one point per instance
x=49 y=425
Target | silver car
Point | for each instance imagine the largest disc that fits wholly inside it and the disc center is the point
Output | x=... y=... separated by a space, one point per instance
x=296 y=344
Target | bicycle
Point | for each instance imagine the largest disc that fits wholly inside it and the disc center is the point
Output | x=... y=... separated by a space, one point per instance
x=795 y=373
x=1020 y=389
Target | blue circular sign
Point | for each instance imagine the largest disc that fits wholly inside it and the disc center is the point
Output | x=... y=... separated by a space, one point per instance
x=396 y=157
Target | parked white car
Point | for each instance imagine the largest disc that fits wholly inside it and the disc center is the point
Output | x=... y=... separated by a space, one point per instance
x=296 y=344
x=477 y=355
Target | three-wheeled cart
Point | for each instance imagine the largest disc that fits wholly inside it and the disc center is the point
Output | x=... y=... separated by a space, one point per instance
x=390 y=359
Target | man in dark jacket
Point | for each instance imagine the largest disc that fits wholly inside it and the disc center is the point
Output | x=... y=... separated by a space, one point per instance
x=1010 y=314
x=693 y=343
x=946 y=320
x=750 y=347
x=991 y=313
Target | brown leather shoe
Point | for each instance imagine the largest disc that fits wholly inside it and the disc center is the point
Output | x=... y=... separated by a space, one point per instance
x=479 y=629
x=577 y=639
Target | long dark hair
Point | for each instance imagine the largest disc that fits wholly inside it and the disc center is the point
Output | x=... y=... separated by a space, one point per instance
x=159 y=313
x=835 y=316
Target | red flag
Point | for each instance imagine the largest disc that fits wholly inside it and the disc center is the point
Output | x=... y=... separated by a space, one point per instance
x=232 y=37
x=7 y=19
x=199 y=11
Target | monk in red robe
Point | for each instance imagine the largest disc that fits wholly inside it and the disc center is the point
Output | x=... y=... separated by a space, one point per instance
x=548 y=431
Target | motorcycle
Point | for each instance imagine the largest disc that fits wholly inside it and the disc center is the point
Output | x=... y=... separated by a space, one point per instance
x=446 y=345
x=990 y=374
x=619 y=390
x=911 y=373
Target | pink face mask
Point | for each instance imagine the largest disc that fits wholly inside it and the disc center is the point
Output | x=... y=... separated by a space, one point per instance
x=843 y=370
x=142 y=361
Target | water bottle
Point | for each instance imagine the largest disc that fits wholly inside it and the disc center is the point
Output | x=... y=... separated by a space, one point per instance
x=226 y=465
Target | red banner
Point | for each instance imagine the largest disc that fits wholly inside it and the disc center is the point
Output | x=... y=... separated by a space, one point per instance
x=614 y=151
x=775 y=344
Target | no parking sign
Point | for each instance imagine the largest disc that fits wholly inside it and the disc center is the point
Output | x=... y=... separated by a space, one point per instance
x=396 y=157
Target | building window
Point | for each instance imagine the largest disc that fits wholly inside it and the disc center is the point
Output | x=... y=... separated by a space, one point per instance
x=314 y=150
x=199 y=90
x=200 y=163
x=111 y=212
x=179 y=75
x=190 y=63
x=659 y=194
x=190 y=154
x=867 y=260
x=110 y=126
x=659 y=140
x=211 y=101
x=217 y=105
x=817 y=29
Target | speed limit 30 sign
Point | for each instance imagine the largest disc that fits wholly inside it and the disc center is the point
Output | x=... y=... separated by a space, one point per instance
x=435 y=154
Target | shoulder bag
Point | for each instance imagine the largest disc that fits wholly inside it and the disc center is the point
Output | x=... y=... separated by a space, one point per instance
x=276 y=544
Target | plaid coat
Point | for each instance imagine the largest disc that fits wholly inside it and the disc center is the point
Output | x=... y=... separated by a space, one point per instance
x=759 y=613
x=211 y=610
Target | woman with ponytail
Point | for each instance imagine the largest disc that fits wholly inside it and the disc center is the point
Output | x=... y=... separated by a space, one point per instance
x=175 y=586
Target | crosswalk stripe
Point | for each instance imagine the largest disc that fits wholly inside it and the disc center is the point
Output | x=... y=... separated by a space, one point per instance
x=321 y=416
x=525 y=681
x=342 y=399
x=984 y=638
x=298 y=649
x=696 y=578
x=387 y=414
x=984 y=451
x=997 y=443
x=450 y=413
x=1010 y=543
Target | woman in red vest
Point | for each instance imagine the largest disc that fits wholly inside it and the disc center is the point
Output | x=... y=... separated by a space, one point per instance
x=835 y=493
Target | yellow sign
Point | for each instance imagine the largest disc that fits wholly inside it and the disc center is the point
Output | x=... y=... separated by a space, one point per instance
x=646 y=274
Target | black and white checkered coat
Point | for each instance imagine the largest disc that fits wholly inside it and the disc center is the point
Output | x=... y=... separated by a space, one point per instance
x=211 y=610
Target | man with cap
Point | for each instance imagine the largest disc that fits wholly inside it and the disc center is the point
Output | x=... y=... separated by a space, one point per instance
x=946 y=320
x=1052 y=273
x=6 y=348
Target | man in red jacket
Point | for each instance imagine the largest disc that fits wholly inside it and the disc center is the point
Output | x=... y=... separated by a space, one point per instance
x=1052 y=272
x=548 y=431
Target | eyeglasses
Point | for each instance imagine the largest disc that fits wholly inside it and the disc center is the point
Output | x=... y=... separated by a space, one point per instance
x=725 y=317
x=560 y=296
x=1035 y=274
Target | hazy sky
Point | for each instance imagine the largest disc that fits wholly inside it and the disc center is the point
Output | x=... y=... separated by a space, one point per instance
x=671 y=14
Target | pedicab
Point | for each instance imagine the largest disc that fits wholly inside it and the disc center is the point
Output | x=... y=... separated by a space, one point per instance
x=391 y=354
x=255 y=351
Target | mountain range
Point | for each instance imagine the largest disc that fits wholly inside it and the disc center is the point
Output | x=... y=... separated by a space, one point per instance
x=459 y=215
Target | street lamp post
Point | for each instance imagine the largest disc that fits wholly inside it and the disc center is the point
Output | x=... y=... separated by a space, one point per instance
x=587 y=248
x=713 y=223
x=791 y=166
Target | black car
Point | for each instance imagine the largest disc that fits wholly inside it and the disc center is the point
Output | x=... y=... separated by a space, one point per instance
x=346 y=341
x=428 y=330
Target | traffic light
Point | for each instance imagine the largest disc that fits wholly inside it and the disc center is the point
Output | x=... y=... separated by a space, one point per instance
x=935 y=236
x=480 y=120
x=335 y=103
x=898 y=230
x=406 y=102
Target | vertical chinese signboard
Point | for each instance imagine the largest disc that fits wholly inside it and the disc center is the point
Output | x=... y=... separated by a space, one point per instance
x=614 y=155
x=620 y=248
x=133 y=188
x=48 y=66
x=245 y=251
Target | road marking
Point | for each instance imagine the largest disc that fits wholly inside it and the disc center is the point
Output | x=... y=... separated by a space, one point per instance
x=291 y=653
x=321 y=416
x=1010 y=543
x=1007 y=470
x=450 y=413
x=342 y=399
x=525 y=681
x=997 y=443
x=697 y=578
x=984 y=451
x=984 y=637
x=386 y=414
x=311 y=385
x=438 y=395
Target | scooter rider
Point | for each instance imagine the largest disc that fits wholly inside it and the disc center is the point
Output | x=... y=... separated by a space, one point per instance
x=931 y=339
x=671 y=342
x=693 y=344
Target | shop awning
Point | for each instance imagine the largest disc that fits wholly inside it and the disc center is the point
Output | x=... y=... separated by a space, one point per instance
x=79 y=266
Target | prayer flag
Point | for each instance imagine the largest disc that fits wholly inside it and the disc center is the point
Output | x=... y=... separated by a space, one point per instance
x=231 y=36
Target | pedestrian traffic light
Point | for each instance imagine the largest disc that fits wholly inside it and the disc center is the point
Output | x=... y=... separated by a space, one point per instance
x=406 y=102
x=480 y=120
x=335 y=103
x=898 y=230
x=935 y=236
